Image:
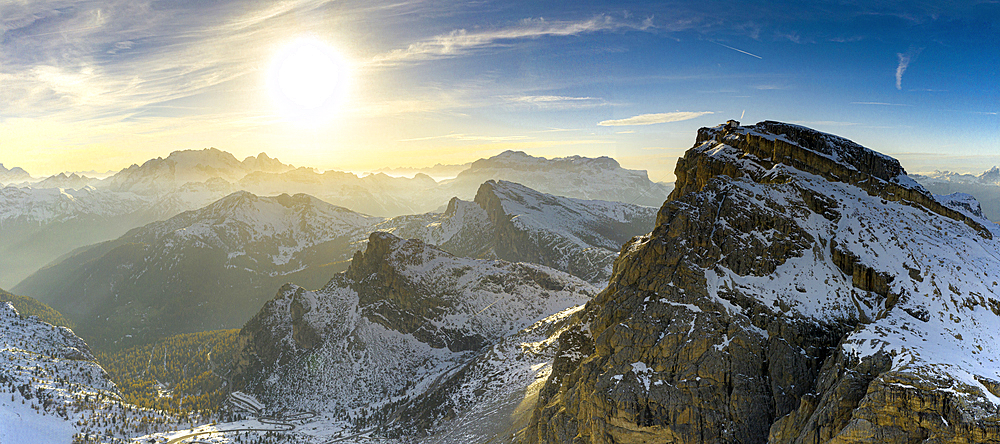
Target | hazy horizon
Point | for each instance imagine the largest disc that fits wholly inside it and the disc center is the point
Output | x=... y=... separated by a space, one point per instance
x=453 y=169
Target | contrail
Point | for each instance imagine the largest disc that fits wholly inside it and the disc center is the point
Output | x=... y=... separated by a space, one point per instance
x=740 y=50
x=742 y=114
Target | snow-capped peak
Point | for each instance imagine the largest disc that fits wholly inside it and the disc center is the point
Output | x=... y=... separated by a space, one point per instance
x=243 y=213
x=165 y=174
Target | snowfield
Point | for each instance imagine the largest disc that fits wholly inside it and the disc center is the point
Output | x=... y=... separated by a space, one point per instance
x=52 y=390
x=942 y=274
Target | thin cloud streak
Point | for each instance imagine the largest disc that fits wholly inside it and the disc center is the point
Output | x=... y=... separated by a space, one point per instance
x=548 y=99
x=461 y=41
x=739 y=50
x=904 y=62
x=554 y=102
x=879 y=104
x=652 y=119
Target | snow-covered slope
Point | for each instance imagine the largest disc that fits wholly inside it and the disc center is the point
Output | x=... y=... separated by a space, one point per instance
x=52 y=390
x=512 y=222
x=200 y=270
x=42 y=221
x=489 y=399
x=239 y=223
x=39 y=225
x=579 y=236
x=463 y=229
x=49 y=205
x=402 y=319
x=797 y=288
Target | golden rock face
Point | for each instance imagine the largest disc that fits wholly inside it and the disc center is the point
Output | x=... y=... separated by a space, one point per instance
x=666 y=354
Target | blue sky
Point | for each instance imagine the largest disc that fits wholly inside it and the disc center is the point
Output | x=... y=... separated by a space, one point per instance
x=104 y=84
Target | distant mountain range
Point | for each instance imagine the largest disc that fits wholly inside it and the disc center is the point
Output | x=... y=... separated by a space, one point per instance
x=438 y=172
x=988 y=177
x=985 y=187
x=214 y=267
x=15 y=174
x=41 y=221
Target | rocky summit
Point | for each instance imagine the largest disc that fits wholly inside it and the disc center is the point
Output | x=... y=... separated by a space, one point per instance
x=512 y=222
x=797 y=288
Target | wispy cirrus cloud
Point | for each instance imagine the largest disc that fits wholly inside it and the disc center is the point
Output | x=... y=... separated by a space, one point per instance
x=554 y=102
x=652 y=119
x=91 y=59
x=879 y=104
x=461 y=41
x=904 y=63
x=549 y=99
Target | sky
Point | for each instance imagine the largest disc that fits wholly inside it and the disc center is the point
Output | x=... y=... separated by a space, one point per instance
x=358 y=85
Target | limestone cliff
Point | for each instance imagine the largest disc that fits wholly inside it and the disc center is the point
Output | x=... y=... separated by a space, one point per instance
x=797 y=288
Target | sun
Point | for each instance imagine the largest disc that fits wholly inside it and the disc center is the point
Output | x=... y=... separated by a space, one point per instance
x=308 y=79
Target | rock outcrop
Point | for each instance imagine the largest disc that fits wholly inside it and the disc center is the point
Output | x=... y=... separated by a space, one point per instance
x=797 y=288
x=512 y=222
x=580 y=237
x=405 y=320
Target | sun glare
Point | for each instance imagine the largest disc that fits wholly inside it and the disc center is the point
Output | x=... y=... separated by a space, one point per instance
x=308 y=79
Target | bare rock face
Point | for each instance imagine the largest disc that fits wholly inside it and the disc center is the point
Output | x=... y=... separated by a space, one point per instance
x=512 y=222
x=578 y=236
x=794 y=290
